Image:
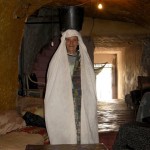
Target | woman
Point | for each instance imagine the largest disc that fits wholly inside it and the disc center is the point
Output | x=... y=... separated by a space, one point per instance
x=70 y=99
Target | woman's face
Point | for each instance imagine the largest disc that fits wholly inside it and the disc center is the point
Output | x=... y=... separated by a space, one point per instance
x=71 y=44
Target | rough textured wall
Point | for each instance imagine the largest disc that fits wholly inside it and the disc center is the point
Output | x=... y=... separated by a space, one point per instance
x=132 y=66
x=146 y=56
x=11 y=30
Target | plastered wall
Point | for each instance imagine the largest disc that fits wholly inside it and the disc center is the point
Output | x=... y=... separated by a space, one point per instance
x=10 y=36
x=132 y=67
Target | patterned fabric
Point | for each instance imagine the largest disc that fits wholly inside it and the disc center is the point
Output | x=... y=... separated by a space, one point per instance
x=133 y=136
x=76 y=80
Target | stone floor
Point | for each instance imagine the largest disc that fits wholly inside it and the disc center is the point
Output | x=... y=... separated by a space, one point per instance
x=112 y=114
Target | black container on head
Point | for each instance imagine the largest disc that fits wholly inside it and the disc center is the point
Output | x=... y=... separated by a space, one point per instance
x=71 y=17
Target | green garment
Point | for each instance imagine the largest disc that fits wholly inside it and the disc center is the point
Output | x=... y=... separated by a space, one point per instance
x=76 y=81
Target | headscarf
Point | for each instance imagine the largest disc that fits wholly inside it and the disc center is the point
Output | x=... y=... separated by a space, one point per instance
x=59 y=107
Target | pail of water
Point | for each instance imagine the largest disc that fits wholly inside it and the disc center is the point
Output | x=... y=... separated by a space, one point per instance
x=71 y=17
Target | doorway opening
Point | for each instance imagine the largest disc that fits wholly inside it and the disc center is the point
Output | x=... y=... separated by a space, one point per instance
x=104 y=82
x=109 y=82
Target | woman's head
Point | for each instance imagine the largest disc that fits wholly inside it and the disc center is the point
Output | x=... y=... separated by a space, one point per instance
x=71 y=44
x=72 y=41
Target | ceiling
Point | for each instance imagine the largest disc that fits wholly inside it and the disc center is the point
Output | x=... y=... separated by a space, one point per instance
x=132 y=11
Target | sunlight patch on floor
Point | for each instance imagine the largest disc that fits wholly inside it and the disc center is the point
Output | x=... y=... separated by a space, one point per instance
x=106 y=100
x=113 y=104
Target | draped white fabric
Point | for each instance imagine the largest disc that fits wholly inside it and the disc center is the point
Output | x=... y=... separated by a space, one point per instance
x=59 y=107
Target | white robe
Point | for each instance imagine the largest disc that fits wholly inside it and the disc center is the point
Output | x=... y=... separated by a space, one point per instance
x=59 y=107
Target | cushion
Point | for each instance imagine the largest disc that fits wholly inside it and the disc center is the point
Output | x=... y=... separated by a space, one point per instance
x=10 y=120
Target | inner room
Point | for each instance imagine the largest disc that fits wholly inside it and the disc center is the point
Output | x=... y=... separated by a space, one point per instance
x=117 y=38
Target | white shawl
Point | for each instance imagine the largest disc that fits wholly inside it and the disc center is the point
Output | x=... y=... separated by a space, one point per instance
x=59 y=107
